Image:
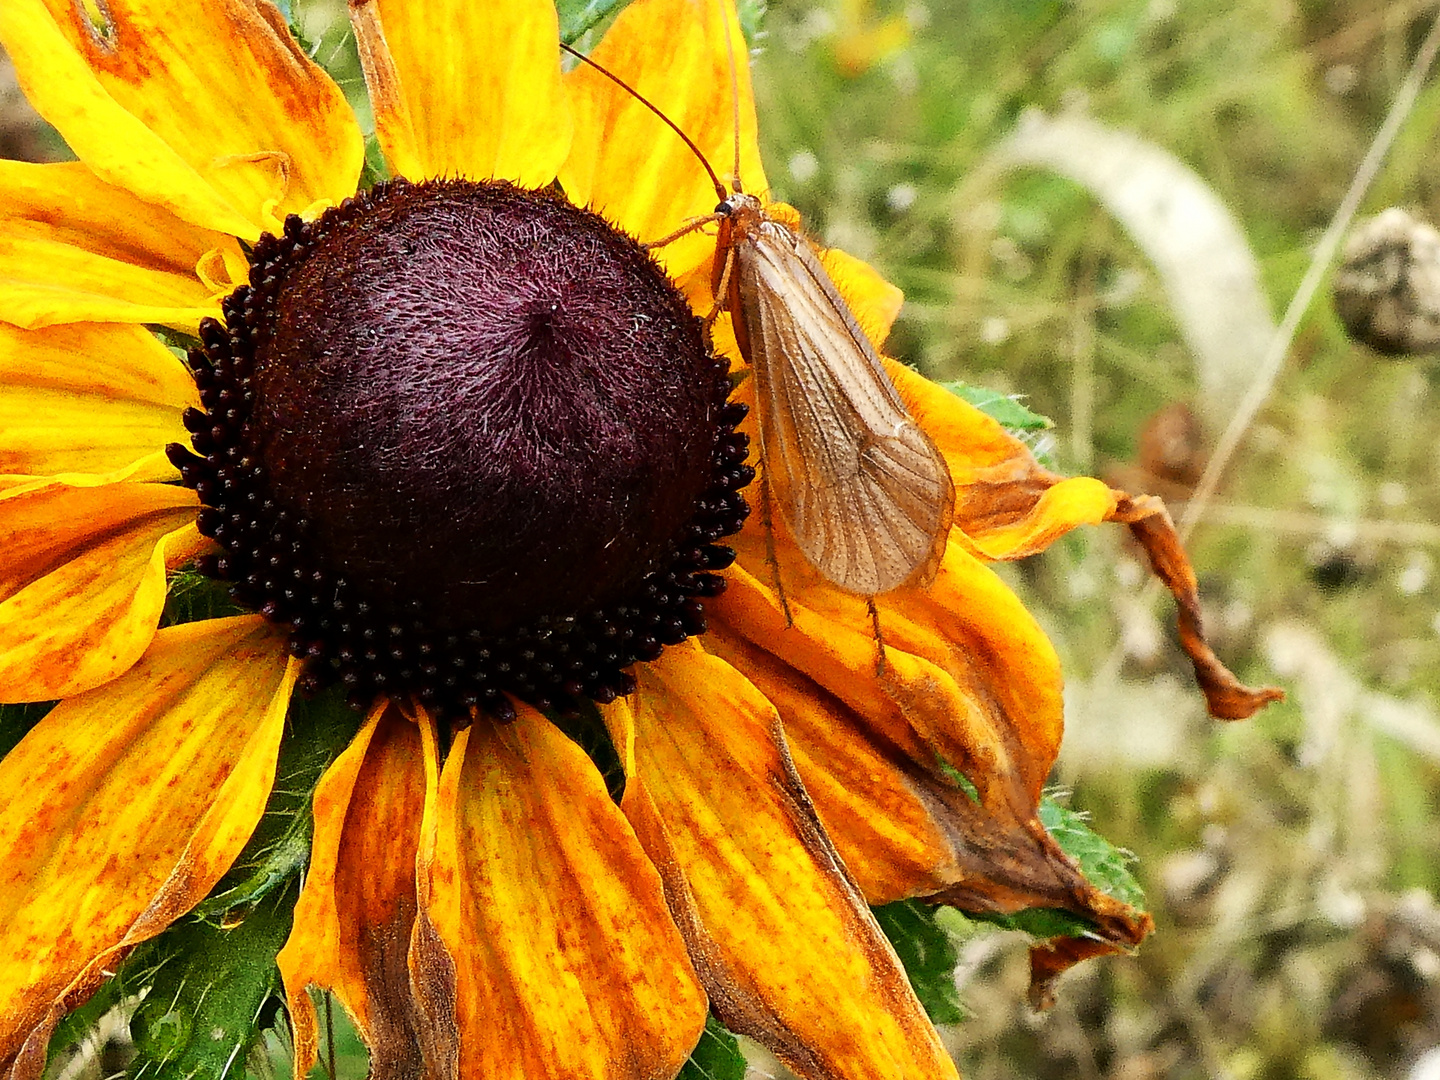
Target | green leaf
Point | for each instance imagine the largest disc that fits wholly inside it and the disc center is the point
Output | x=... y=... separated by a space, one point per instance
x=1000 y=407
x=716 y=1056
x=209 y=990
x=1105 y=866
x=580 y=17
x=193 y=597
x=928 y=954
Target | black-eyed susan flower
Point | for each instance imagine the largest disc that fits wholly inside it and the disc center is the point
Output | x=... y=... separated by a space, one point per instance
x=463 y=451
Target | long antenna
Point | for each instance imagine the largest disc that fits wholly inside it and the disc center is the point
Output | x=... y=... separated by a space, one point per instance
x=719 y=187
x=734 y=90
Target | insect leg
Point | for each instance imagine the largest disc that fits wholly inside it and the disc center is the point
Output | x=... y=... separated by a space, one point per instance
x=722 y=288
x=771 y=558
x=684 y=230
x=879 y=638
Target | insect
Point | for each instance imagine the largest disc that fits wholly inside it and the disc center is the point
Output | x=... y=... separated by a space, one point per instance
x=863 y=490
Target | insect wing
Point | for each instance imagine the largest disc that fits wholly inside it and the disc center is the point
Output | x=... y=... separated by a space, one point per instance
x=865 y=492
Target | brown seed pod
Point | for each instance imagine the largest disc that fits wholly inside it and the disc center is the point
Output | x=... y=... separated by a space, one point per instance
x=1387 y=289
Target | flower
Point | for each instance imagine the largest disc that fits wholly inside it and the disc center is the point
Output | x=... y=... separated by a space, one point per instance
x=475 y=897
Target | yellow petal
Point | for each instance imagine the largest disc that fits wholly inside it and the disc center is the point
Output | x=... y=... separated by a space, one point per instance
x=124 y=806
x=82 y=579
x=465 y=89
x=355 y=915
x=216 y=114
x=88 y=398
x=73 y=248
x=873 y=301
x=783 y=939
x=625 y=163
x=566 y=962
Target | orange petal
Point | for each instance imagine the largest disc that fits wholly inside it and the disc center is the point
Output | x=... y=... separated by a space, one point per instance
x=82 y=579
x=624 y=162
x=1150 y=524
x=218 y=115
x=566 y=961
x=465 y=89
x=74 y=249
x=122 y=809
x=355 y=915
x=788 y=950
x=87 y=398
x=1009 y=507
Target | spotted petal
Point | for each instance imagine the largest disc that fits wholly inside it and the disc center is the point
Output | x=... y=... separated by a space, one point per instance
x=783 y=940
x=217 y=114
x=82 y=578
x=122 y=809
x=356 y=913
x=565 y=959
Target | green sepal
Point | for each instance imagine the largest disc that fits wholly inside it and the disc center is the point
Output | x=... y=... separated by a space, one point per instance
x=716 y=1056
x=1006 y=410
x=928 y=954
x=1104 y=866
x=580 y=17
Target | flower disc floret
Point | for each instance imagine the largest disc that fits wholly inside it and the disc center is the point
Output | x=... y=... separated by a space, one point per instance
x=466 y=440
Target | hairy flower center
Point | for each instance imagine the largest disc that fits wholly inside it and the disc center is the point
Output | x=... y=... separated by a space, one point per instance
x=474 y=445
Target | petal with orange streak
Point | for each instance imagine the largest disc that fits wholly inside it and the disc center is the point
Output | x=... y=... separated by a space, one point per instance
x=74 y=249
x=788 y=950
x=904 y=825
x=123 y=807
x=82 y=579
x=1008 y=507
x=217 y=115
x=357 y=910
x=624 y=162
x=565 y=958
x=88 y=398
x=466 y=89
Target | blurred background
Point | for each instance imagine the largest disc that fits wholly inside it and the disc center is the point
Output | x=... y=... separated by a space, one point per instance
x=1107 y=206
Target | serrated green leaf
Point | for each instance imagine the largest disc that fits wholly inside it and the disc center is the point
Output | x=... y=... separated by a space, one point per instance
x=580 y=17
x=1000 y=407
x=716 y=1056
x=928 y=954
x=1104 y=865
x=207 y=992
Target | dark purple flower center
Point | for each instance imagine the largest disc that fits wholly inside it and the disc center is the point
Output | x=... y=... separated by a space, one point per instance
x=467 y=440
